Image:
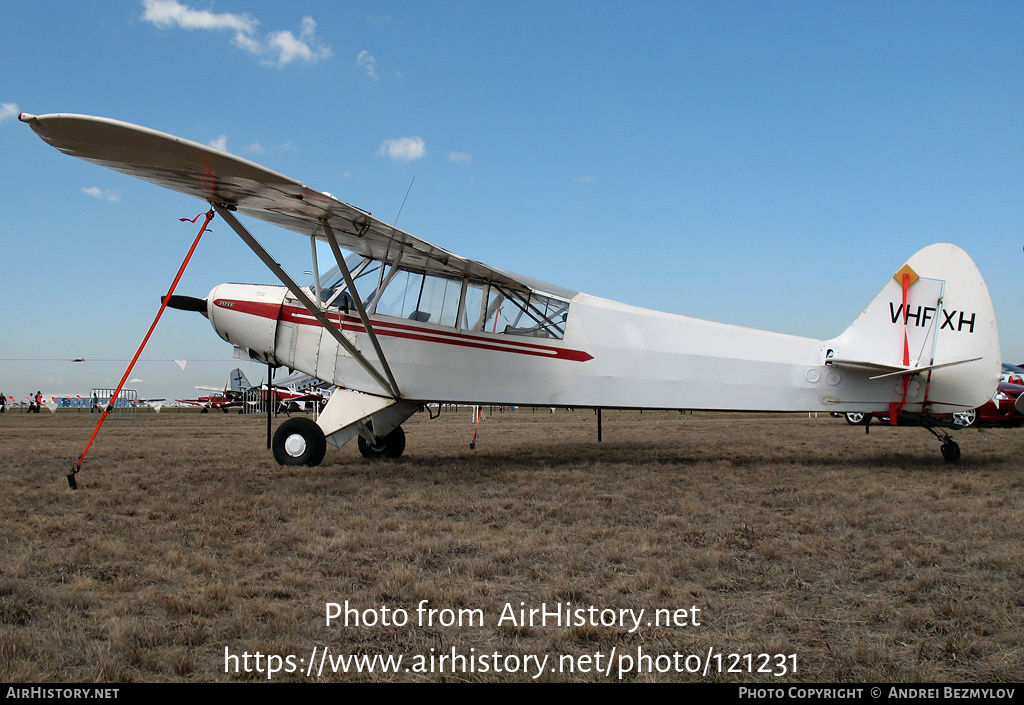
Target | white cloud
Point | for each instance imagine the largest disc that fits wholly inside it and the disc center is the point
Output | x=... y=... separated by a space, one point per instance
x=583 y=179
x=112 y=196
x=404 y=149
x=279 y=48
x=306 y=46
x=255 y=148
x=460 y=157
x=167 y=13
x=220 y=143
x=8 y=110
x=368 y=62
x=250 y=44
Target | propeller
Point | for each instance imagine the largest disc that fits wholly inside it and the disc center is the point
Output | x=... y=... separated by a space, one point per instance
x=186 y=303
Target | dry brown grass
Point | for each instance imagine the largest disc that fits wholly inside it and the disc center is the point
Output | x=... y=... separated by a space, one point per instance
x=862 y=554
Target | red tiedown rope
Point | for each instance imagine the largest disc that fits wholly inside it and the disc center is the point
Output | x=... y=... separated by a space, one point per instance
x=163 y=305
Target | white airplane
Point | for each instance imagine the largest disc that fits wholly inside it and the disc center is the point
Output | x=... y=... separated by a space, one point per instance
x=401 y=322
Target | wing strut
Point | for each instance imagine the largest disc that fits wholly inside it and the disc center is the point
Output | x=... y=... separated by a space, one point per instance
x=356 y=299
x=316 y=272
x=314 y=310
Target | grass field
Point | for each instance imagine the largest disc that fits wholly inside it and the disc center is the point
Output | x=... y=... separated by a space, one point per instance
x=853 y=557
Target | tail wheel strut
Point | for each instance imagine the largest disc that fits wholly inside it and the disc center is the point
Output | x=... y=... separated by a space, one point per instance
x=950 y=448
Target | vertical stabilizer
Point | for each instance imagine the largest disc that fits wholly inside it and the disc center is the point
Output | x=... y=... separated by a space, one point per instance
x=238 y=381
x=935 y=312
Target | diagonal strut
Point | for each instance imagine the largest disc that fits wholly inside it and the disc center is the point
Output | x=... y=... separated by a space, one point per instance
x=333 y=242
x=313 y=309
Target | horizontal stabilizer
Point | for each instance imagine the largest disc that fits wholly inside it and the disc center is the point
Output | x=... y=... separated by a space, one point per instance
x=895 y=370
x=924 y=368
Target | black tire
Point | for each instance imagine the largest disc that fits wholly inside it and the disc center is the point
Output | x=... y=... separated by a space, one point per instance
x=951 y=453
x=390 y=446
x=966 y=419
x=299 y=441
x=857 y=418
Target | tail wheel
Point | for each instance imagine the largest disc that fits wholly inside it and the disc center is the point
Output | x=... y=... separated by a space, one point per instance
x=390 y=446
x=299 y=441
x=951 y=452
x=966 y=418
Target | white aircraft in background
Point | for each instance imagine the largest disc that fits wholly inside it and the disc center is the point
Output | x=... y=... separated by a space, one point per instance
x=401 y=322
x=298 y=392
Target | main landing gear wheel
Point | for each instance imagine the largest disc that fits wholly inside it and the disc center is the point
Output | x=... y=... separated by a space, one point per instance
x=299 y=441
x=390 y=446
x=951 y=452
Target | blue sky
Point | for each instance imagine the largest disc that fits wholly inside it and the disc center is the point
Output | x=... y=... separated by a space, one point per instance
x=764 y=164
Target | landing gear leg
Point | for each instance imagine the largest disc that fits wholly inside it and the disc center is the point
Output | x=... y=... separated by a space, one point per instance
x=375 y=420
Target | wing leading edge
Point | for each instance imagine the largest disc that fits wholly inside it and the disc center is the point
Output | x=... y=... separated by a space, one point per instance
x=217 y=177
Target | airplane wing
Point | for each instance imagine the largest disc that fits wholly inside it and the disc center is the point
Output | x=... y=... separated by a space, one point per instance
x=239 y=184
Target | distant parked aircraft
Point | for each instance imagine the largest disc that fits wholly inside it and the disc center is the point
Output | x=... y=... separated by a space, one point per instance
x=238 y=389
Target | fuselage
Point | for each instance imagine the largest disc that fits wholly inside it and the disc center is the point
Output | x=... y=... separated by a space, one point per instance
x=611 y=355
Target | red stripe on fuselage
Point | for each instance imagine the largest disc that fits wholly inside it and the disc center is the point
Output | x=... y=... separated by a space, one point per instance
x=301 y=316
x=263 y=309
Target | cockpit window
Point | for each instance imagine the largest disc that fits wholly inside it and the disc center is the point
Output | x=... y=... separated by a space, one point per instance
x=366 y=275
x=498 y=309
x=456 y=302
